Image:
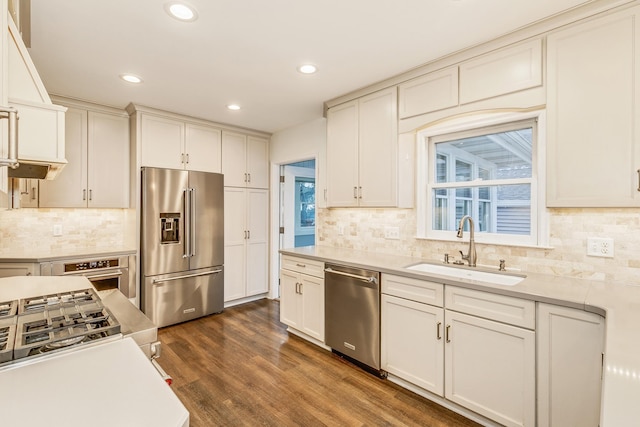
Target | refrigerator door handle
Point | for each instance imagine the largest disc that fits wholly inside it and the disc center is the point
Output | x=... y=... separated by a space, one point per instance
x=186 y=276
x=187 y=225
x=192 y=221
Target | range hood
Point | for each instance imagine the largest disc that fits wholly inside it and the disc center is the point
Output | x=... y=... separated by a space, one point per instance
x=40 y=125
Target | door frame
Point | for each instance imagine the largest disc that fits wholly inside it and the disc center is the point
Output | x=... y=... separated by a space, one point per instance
x=274 y=252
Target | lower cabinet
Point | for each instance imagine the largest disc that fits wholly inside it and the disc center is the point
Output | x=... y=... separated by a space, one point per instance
x=412 y=344
x=302 y=296
x=9 y=269
x=474 y=358
x=490 y=368
x=570 y=347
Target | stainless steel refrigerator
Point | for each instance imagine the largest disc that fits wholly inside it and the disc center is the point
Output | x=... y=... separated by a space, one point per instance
x=182 y=245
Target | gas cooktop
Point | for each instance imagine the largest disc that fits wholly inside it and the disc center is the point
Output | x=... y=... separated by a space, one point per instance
x=39 y=325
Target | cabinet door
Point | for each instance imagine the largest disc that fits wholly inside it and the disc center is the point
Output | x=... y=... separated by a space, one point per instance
x=342 y=155
x=69 y=189
x=593 y=146
x=312 y=299
x=412 y=342
x=257 y=162
x=108 y=161
x=8 y=269
x=234 y=243
x=378 y=149
x=257 y=241
x=203 y=148
x=234 y=158
x=570 y=346
x=290 y=299
x=490 y=368
x=431 y=92
x=162 y=142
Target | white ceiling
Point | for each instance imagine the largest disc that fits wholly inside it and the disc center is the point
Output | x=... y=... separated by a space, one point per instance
x=247 y=51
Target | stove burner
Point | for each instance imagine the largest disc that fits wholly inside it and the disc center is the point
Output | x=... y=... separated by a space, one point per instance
x=8 y=308
x=63 y=299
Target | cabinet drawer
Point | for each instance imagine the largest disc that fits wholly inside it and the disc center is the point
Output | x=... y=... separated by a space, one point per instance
x=514 y=311
x=303 y=265
x=413 y=289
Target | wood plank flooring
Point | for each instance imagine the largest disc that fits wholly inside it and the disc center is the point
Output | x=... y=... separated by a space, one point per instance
x=242 y=368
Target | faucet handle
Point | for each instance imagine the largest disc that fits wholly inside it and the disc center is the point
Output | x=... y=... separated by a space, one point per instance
x=502 y=266
x=446 y=258
x=463 y=255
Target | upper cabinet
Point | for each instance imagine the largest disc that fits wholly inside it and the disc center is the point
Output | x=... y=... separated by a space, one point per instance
x=245 y=160
x=431 y=92
x=506 y=70
x=362 y=147
x=176 y=144
x=593 y=143
x=41 y=123
x=97 y=175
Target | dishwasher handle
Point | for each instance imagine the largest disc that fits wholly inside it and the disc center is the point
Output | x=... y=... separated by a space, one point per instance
x=370 y=279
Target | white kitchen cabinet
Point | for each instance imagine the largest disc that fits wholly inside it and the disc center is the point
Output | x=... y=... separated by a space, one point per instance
x=490 y=368
x=302 y=296
x=97 y=173
x=245 y=160
x=593 y=102
x=246 y=219
x=474 y=348
x=362 y=150
x=9 y=269
x=570 y=348
x=412 y=344
x=176 y=144
x=26 y=192
x=504 y=71
x=431 y=92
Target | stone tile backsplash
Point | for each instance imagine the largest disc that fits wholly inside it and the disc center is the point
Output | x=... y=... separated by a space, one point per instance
x=363 y=229
x=24 y=231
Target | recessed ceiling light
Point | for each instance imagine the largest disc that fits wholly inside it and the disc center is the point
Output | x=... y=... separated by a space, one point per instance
x=181 y=11
x=233 y=107
x=307 y=69
x=131 y=78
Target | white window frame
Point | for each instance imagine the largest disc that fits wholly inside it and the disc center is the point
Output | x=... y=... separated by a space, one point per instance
x=539 y=236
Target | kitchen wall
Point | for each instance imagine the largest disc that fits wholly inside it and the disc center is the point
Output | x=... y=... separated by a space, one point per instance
x=30 y=231
x=568 y=228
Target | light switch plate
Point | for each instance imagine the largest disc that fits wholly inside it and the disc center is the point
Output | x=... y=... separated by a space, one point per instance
x=57 y=229
x=600 y=247
x=392 y=233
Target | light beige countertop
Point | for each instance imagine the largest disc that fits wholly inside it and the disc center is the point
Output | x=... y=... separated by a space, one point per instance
x=36 y=256
x=618 y=303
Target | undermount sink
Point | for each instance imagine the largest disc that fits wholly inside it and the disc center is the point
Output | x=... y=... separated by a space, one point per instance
x=467 y=273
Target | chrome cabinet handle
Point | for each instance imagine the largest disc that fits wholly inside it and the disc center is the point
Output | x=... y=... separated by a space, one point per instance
x=301 y=265
x=90 y=195
x=187 y=157
x=359 y=192
x=355 y=192
x=447 y=333
x=438 y=329
x=249 y=177
x=638 y=179
x=33 y=193
x=300 y=287
x=245 y=177
x=249 y=234
x=11 y=114
x=84 y=194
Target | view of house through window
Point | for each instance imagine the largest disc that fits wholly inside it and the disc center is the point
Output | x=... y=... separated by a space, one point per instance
x=485 y=173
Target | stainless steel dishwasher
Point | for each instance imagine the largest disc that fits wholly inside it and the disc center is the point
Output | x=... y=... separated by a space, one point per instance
x=352 y=313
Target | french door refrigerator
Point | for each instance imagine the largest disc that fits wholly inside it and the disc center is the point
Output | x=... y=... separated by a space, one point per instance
x=181 y=245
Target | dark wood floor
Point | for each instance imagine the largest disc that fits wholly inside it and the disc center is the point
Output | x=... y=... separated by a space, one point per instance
x=241 y=367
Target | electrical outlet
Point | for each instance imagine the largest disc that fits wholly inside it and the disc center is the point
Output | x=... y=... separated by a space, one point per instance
x=340 y=230
x=600 y=246
x=57 y=229
x=392 y=233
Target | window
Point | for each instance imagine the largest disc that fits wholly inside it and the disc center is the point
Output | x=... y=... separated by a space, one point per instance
x=487 y=169
x=305 y=203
